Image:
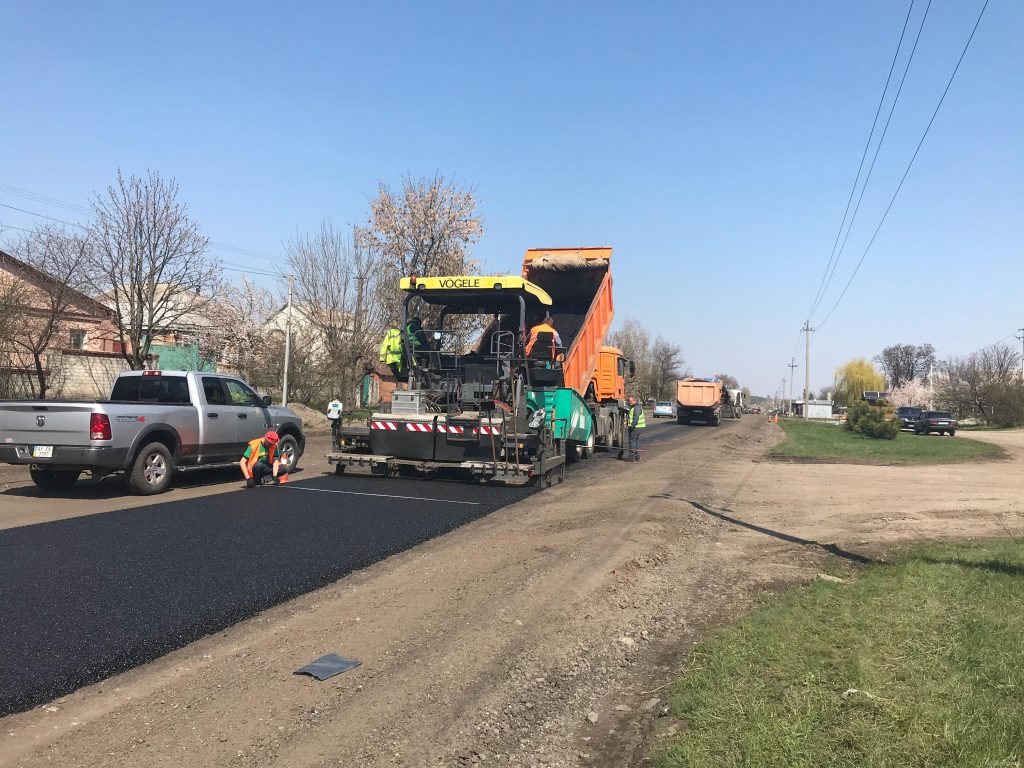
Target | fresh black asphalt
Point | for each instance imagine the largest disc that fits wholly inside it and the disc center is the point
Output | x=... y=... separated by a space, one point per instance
x=84 y=598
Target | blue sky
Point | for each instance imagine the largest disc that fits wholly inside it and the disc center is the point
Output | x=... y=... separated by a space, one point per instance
x=712 y=144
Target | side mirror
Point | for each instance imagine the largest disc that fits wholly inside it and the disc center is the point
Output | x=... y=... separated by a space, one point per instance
x=265 y=401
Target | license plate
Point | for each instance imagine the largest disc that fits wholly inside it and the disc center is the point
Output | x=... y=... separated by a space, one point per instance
x=942 y=423
x=42 y=451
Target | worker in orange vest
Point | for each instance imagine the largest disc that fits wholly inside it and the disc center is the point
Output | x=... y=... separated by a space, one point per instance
x=545 y=326
x=260 y=461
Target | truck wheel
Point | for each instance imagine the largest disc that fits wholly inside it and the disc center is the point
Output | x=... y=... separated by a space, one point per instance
x=588 y=450
x=54 y=479
x=151 y=471
x=288 y=450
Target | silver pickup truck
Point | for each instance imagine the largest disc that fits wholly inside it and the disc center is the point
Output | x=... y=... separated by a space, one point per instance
x=153 y=423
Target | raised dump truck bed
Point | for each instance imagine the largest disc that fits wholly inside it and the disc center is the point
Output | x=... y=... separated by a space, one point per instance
x=579 y=282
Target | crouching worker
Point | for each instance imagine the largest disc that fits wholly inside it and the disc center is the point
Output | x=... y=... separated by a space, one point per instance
x=260 y=461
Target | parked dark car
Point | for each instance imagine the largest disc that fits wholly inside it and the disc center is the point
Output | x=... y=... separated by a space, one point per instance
x=907 y=415
x=936 y=421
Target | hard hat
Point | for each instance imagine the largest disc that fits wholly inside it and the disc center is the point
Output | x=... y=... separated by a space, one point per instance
x=271 y=437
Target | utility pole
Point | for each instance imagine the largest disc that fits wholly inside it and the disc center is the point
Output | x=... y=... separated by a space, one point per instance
x=782 y=394
x=287 y=342
x=792 y=365
x=807 y=368
x=1020 y=338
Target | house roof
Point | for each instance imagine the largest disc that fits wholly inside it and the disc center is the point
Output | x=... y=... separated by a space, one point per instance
x=12 y=264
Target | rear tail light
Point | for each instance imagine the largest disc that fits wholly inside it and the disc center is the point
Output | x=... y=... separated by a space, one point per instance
x=99 y=426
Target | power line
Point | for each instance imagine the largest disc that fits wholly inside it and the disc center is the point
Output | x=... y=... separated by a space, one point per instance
x=909 y=165
x=249 y=270
x=864 y=154
x=8 y=226
x=42 y=215
x=81 y=209
x=874 y=158
x=44 y=199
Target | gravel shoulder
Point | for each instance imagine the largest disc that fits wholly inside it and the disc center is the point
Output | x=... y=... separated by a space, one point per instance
x=543 y=634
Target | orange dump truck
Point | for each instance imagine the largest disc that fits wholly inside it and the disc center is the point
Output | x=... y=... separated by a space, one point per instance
x=579 y=281
x=699 y=400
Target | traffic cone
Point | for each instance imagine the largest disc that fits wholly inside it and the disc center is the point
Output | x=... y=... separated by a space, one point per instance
x=776 y=418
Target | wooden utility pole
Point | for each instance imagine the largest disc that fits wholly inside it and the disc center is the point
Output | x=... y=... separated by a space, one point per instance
x=807 y=369
x=792 y=365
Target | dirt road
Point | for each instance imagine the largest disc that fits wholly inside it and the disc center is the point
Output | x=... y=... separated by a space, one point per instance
x=542 y=634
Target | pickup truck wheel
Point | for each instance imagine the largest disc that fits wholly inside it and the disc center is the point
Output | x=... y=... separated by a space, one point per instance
x=952 y=432
x=151 y=471
x=54 y=479
x=288 y=449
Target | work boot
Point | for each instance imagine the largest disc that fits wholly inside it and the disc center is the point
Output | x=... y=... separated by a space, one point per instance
x=249 y=482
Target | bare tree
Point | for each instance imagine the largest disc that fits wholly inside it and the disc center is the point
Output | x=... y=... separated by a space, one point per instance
x=238 y=332
x=729 y=382
x=8 y=315
x=635 y=342
x=45 y=301
x=906 y=362
x=336 y=283
x=984 y=384
x=150 y=261
x=425 y=230
x=666 y=366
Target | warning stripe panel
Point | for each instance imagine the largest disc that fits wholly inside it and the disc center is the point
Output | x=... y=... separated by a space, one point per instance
x=418 y=427
x=384 y=425
x=450 y=429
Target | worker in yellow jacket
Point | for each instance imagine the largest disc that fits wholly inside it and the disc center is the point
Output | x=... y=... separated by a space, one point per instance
x=391 y=353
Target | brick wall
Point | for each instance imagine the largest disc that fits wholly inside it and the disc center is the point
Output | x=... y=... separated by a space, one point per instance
x=83 y=375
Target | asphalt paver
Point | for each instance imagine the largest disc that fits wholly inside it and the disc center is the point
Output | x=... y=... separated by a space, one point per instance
x=84 y=598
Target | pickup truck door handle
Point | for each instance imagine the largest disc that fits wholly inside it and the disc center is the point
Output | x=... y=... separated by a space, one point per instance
x=212 y=415
x=243 y=415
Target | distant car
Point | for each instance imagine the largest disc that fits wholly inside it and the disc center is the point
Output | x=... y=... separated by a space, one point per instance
x=935 y=421
x=907 y=415
x=664 y=408
x=756 y=409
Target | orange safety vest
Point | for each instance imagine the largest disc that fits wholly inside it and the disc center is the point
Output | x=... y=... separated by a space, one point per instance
x=536 y=331
x=254 y=453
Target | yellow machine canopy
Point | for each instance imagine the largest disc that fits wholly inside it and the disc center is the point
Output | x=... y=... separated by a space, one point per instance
x=467 y=294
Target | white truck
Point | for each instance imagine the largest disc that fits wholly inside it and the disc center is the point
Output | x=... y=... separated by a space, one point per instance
x=153 y=423
x=735 y=405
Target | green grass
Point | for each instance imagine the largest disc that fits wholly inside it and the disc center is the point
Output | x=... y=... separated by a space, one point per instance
x=818 y=441
x=936 y=639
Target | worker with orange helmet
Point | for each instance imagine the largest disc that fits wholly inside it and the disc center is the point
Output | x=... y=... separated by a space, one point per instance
x=261 y=461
